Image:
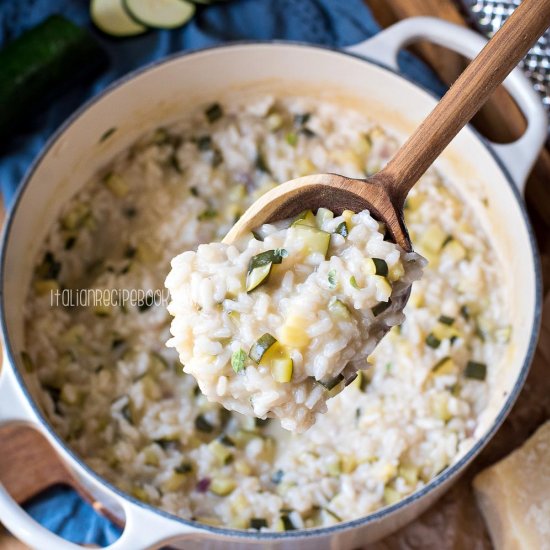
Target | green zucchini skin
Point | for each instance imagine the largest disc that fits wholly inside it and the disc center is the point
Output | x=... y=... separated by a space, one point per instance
x=39 y=65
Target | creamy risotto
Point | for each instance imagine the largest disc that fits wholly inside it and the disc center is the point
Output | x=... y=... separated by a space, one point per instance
x=120 y=397
x=278 y=323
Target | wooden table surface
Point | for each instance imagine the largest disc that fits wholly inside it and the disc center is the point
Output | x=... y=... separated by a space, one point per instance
x=455 y=522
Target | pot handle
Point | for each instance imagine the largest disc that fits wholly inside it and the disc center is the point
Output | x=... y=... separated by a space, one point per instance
x=143 y=528
x=517 y=157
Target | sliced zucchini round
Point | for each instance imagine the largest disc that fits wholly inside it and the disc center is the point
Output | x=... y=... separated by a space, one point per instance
x=110 y=17
x=281 y=369
x=260 y=347
x=160 y=14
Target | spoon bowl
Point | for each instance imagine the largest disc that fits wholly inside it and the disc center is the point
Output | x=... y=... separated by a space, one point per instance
x=384 y=193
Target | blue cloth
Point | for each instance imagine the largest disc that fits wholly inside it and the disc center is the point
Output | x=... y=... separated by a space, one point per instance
x=329 y=22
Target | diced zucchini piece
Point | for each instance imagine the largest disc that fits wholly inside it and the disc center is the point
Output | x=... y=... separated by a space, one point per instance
x=160 y=14
x=293 y=333
x=213 y=112
x=76 y=217
x=202 y=424
x=220 y=451
x=257 y=277
x=260 y=347
x=439 y=405
x=222 y=486
x=475 y=370
x=347 y=215
x=444 y=319
x=503 y=334
x=116 y=185
x=174 y=483
x=305 y=167
x=338 y=308
x=381 y=307
x=376 y=266
x=342 y=229
x=455 y=250
x=46 y=286
x=281 y=369
x=184 y=468
x=238 y=360
x=332 y=382
x=274 y=122
x=391 y=496
x=101 y=310
x=27 y=362
x=409 y=473
x=285 y=523
x=323 y=215
x=433 y=341
x=258 y=523
x=433 y=238
x=396 y=271
x=444 y=366
x=150 y=456
x=445 y=331
x=353 y=282
x=307 y=217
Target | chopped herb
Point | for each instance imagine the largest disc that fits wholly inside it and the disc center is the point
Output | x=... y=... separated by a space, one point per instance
x=203 y=425
x=287 y=523
x=432 y=341
x=208 y=214
x=308 y=133
x=475 y=370
x=332 y=278
x=301 y=119
x=358 y=413
x=184 y=468
x=292 y=138
x=261 y=163
x=381 y=307
x=258 y=523
x=238 y=360
x=107 y=134
x=388 y=367
x=353 y=282
x=277 y=477
x=268 y=257
x=214 y=112
x=204 y=143
x=342 y=229
x=70 y=242
x=446 y=320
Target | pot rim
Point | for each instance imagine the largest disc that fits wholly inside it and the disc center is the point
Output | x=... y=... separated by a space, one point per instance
x=375 y=516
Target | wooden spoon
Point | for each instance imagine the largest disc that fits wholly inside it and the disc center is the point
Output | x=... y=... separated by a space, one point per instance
x=384 y=193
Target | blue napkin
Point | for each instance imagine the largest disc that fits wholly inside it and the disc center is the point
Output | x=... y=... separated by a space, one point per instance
x=329 y=22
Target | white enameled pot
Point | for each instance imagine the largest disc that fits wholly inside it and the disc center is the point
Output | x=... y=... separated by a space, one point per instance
x=490 y=178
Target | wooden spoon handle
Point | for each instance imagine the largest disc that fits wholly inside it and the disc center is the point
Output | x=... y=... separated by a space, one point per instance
x=465 y=97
